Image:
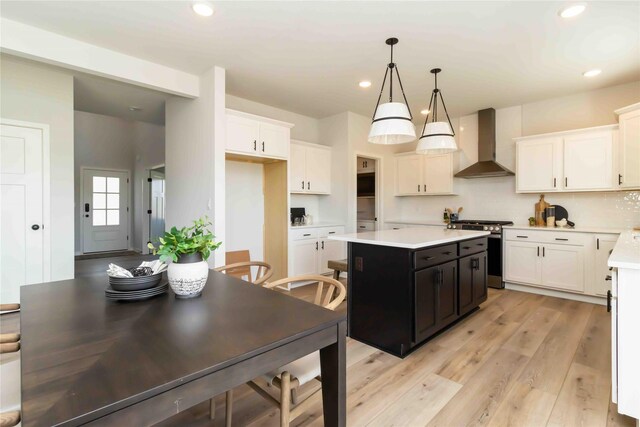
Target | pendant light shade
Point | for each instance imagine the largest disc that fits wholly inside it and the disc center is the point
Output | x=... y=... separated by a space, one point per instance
x=437 y=137
x=391 y=123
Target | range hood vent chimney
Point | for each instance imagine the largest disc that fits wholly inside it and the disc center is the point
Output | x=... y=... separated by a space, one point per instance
x=486 y=166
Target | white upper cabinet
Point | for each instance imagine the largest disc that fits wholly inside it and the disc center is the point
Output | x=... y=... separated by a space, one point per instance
x=424 y=175
x=257 y=136
x=539 y=164
x=581 y=160
x=309 y=168
x=588 y=161
x=629 y=147
x=366 y=165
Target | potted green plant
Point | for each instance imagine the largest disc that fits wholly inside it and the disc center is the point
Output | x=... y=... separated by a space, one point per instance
x=188 y=249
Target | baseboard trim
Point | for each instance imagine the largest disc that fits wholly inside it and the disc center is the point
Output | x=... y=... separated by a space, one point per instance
x=558 y=294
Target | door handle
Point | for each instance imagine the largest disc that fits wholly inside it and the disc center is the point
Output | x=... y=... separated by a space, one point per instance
x=609 y=296
x=35 y=227
x=86 y=207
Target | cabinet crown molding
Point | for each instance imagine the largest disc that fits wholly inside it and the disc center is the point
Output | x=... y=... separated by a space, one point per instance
x=628 y=108
x=567 y=132
x=259 y=118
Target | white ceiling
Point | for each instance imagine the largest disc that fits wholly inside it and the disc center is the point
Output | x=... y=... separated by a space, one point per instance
x=308 y=57
x=112 y=98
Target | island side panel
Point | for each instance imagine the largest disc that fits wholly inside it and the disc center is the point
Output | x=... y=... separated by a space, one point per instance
x=380 y=305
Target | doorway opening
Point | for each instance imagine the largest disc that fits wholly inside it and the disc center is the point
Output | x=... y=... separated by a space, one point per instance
x=156 y=205
x=368 y=194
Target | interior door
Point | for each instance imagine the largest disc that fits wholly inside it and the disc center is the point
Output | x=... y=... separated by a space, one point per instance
x=409 y=175
x=438 y=174
x=105 y=210
x=538 y=165
x=156 y=218
x=21 y=210
x=588 y=161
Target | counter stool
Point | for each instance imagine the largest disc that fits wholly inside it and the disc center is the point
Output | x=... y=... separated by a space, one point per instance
x=338 y=266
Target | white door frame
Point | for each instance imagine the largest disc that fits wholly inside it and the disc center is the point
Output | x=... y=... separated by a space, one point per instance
x=146 y=196
x=379 y=187
x=81 y=205
x=46 y=190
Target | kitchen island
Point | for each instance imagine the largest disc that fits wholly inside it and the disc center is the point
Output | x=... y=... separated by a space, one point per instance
x=407 y=285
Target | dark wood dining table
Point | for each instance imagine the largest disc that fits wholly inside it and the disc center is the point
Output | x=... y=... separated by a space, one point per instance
x=87 y=360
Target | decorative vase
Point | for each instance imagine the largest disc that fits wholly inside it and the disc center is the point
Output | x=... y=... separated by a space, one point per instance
x=188 y=275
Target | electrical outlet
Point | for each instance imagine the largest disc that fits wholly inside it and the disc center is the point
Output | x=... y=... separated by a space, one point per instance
x=359 y=263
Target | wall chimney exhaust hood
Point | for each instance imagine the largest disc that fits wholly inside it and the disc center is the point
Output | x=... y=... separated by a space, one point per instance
x=486 y=166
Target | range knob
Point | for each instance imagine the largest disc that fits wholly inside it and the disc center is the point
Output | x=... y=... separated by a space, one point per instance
x=490 y=228
x=453 y=226
x=448 y=225
x=497 y=228
x=486 y=228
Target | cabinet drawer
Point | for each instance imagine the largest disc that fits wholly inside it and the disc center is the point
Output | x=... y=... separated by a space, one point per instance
x=434 y=256
x=366 y=226
x=303 y=234
x=330 y=231
x=474 y=246
x=558 y=237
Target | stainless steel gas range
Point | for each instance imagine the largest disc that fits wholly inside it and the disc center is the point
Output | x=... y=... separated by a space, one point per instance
x=494 y=252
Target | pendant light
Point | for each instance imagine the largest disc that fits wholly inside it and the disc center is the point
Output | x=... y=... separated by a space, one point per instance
x=437 y=137
x=391 y=123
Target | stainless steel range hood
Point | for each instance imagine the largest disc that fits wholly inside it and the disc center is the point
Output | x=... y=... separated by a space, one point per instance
x=486 y=166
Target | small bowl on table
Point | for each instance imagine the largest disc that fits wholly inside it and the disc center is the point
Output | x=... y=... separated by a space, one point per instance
x=138 y=282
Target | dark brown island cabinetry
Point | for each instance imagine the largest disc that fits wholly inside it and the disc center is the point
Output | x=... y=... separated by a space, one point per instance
x=399 y=298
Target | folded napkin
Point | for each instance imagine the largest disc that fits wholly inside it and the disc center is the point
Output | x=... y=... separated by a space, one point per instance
x=156 y=267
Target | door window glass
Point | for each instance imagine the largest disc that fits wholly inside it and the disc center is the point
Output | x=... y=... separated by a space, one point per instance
x=106 y=201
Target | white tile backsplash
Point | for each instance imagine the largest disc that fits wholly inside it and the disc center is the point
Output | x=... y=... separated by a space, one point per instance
x=495 y=198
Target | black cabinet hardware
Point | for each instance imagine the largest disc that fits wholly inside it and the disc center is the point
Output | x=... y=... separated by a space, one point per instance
x=562 y=240
x=543 y=251
x=263 y=146
x=598 y=243
x=305 y=235
x=554 y=183
x=332 y=232
x=35 y=227
x=538 y=250
x=619 y=179
x=608 y=277
x=308 y=185
x=323 y=245
x=316 y=246
x=86 y=207
x=254 y=145
x=425 y=188
x=609 y=297
x=418 y=188
x=480 y=244
x=149 y=212
x=427 y=258
x=466 y=247
x=303 y=185
x=566 y=181
x=522 y=237
x=447 y=253
x=363 y=226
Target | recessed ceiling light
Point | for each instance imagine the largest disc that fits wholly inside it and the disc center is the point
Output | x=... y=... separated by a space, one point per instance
x=134 y=108
x=424 y=112
x=364 y=83
x=592 y=73
x=202 y=8
x=571 y=11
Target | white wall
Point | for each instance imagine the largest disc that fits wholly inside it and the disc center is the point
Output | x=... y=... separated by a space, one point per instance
x=195 y=164
x=495 y=198
x=245 y=208
x=114 y=143
x=42 y=94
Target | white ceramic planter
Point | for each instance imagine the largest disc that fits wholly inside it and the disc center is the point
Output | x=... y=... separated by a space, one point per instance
x=188 y=276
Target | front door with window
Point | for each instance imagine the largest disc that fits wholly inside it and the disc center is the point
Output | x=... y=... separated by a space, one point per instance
x=105 y=210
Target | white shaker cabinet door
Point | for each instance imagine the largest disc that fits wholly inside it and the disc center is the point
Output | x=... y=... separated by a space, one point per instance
x=409 y=175
x=522 y=262
x=305 y=256
x=629 y=158
x=538 y=165
x=438 y=174
x=242 y=134
x=563 y=267
x=588 y=161
x=274 y=141
x=297 y=169
x=318 y=170
x=330 y=250
x=604 y=247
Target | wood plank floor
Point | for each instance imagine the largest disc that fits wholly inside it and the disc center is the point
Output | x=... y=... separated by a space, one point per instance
x=521 y=360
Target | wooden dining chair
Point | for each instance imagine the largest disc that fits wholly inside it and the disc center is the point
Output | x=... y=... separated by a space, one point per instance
x=263 y=273
x=289 y=378
x=234 y=257
x=9 y=343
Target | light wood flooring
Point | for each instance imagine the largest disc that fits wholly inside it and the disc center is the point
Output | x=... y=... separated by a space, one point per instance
x=521 y=360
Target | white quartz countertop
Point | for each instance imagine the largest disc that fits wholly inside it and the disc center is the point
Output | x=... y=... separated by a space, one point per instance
x=316 y=225
x=410 y=238
x=626 y=252
x=579 y=229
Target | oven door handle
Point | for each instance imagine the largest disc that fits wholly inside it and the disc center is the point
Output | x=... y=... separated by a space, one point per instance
x=495 y=236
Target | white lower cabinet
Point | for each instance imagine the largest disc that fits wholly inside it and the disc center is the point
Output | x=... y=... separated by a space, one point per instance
x=604 y=247
x=563 y=267
x=522 y=262
x=365 y=226
x=310 y=250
